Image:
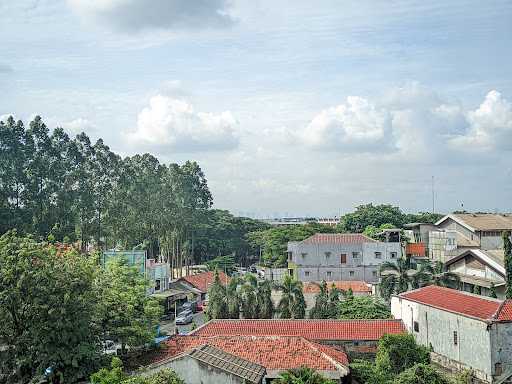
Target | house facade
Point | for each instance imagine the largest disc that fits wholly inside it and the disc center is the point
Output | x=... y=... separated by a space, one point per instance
x=340 y=257
x=464 y=331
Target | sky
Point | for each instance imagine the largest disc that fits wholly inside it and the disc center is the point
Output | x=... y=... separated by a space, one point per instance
x=291 y=107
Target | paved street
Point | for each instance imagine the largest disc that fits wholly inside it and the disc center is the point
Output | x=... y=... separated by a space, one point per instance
x=169 y=326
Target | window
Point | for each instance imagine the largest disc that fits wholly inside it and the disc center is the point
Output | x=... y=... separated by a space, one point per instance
x=351 y=273
x=343 y=258
x=498 y=369
x=374 y=273
x=290 y=272
x=416 y=326
x=455 y=338
x=306 y=273
x=329 y=274
x=355 y=255
x=327 y=255
x=393 y=255
x=157 y=285
x=290 y=256
x=378 y=255
x=303 y=255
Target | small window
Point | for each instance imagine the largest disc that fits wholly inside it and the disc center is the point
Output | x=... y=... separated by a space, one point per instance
x=329 y=274
x=306 y=273
x=374 y=273
x=290 y=256
x=355 y=255
x=157 y=285
x=351 y=273
x=393 y=255
x=303 y=255
x=455 y=338
x=378 y=255
x=416 y=326
x=343 y=258
x=498 y=369
x=327 y=255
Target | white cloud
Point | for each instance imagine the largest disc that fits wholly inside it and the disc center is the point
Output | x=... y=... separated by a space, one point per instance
x=135 y=15
x=77 y=126
x=357 y=125
x=490 y=125
x=174 y=124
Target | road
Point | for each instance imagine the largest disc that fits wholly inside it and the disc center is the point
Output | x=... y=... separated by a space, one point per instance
x=169 y=326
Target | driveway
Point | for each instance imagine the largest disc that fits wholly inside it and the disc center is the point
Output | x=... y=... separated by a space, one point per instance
x=169 y=327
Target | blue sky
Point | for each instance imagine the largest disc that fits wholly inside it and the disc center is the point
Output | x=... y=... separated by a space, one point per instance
x=290 y=107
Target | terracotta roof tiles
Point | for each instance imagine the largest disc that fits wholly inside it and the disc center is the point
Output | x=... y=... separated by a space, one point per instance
x=203 y=280
x=271 y=352
x=356 y=286
x=338 y=238
x=463 y=303
x=309 y=329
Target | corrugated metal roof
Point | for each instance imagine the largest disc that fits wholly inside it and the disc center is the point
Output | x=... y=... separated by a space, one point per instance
x=228 y=362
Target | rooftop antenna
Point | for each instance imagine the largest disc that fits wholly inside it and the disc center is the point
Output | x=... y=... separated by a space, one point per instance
x=433 y=200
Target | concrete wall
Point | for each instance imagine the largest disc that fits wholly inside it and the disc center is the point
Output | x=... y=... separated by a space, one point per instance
x=491 y=242
x=195 y=372
x=501 y=339
x=450 y=224
x=317 y=262
x=436 y=328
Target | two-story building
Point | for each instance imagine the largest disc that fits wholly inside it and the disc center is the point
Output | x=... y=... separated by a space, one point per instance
x=463 y=330
x=339 y=257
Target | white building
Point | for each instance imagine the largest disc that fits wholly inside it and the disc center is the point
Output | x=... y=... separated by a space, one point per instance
x=339 y=257
x=465 y=331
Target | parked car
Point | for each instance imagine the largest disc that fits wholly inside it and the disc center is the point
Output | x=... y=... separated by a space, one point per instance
x=186 y=312
x=183 y=319
x=191 y=305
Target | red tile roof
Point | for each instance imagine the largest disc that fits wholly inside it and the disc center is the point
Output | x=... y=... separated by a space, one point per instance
x=462 y=303
x=338 y=238
x=272 y=352
x=203 y=280
x=356 y=286
x=309 y=329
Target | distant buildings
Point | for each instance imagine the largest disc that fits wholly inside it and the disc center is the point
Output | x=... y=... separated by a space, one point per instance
x=278 y=222
x=465 y=331
x=470 y=244
x=340 y=257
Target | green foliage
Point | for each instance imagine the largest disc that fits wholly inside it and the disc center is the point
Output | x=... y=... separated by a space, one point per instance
x=396 y=277
x=397 y=353
x=221 y=233
x=362 y=307
x=507 y=249
x=222 y=263
x=372 y=215
x=292 y=304
x=477 y=290
x=126 y=314
x=421 y=374
x=115 y=375
x=492 y=291
x=366 y=372
x=302 y=375
x=246 y=296
x=47 y=310
x=372 y=231
x=273 y=241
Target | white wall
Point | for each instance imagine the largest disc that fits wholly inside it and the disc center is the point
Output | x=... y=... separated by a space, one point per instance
x=437 y=327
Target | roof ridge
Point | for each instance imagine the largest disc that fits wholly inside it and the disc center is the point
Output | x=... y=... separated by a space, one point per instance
x=338 y=365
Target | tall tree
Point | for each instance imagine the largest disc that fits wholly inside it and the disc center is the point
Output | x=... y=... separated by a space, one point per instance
x=47 y=310
x=396 y=277
x=302 y=375
x=292 y=304
x=127 y=314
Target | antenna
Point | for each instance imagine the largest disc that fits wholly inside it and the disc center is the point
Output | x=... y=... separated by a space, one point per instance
x=433 y=200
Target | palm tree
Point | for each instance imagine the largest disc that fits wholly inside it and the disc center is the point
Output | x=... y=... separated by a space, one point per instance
x=437 y=274
x=265 y=303
x=302 y=375
x=292 y=304
x=396 y=278
x=320 y=309
x=233 y=299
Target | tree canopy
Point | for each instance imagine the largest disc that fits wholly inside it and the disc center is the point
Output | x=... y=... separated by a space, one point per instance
x=362 y=307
